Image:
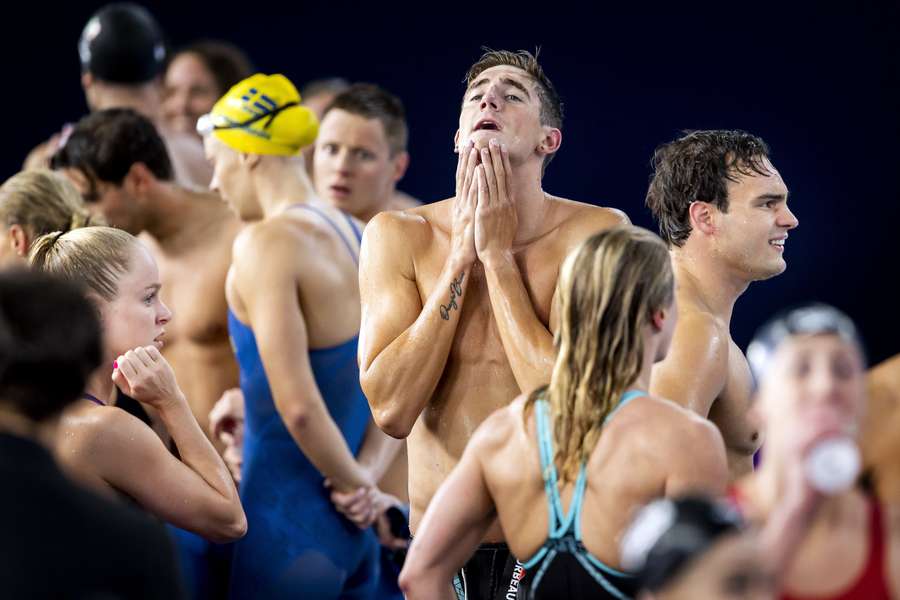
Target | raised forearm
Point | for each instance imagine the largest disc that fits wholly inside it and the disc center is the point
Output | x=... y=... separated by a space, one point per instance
x=403 y=376
x=198 y=453
x=378 y=451
x=527 y=342
x=784 y=531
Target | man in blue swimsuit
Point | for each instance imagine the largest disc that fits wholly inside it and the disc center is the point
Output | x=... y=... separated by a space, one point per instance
x=294 y=317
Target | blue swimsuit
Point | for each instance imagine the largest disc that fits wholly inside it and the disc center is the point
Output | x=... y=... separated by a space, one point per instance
x=564 y=566
x=297 y=545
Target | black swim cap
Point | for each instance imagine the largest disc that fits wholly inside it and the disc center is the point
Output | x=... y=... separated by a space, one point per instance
x=809 y=319
x=668 y=534
x=122 y=43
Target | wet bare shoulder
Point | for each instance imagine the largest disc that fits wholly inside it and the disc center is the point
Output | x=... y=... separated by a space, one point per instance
x=501 y=427
x=581 y=215
x=95 y=429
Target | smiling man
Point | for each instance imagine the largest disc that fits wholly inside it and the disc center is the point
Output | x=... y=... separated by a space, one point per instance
x=722 y=208
x=457 y=295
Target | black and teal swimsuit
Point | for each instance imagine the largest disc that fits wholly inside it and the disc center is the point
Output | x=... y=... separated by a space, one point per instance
x=563 y=567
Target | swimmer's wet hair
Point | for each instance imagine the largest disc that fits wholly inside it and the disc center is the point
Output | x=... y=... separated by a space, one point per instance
x=608 y=290
x=373 y=102
x=92 y=257
x=698 y=167
x=52 y=346
x=551 y=104
x=41 y=201
x=104 y=145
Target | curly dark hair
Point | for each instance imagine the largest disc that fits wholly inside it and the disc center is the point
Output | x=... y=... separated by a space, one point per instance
x=698 y=167
x=106 y=143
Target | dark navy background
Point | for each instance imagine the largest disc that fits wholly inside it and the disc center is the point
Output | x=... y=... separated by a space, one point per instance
x=819 y=84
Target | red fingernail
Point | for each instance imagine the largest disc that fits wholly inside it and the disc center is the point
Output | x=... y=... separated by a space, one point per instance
x=115 y=365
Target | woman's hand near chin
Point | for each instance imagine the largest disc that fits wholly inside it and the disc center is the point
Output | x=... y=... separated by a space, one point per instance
x=146 y=376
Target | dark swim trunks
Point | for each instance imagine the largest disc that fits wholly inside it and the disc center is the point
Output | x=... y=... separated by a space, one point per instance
x=492 y=573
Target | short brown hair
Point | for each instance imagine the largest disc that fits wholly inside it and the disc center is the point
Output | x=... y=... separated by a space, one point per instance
x=698 y=167
x=372 y=102
x=551 y=105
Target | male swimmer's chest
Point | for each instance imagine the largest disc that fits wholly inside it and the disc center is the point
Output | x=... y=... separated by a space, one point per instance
x=477 y=365
x=194 y=289
x=731 y=409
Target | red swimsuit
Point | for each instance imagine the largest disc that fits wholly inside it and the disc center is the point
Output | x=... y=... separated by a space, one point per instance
x=872 y=584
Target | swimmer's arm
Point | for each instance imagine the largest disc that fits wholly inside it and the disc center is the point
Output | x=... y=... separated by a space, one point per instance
x=455 y=522
x=528 y=343
x=378 y=451
x=693 y=373
x=131 y=458
x=526 y=340
x=403 y=345
x=700 y=464
x=268 y=265
x=880 y=441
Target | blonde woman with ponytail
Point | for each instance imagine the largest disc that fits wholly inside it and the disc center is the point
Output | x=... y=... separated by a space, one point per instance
x=103 y=446
x=563 y=468
x=33 y=203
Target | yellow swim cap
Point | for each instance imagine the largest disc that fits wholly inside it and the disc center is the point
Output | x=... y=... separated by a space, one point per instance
x=261 y=115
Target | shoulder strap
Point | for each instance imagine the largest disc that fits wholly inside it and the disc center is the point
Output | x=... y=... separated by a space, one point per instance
x=334 y=226
x=625 y=399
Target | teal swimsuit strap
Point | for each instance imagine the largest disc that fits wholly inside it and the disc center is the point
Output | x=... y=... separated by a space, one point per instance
x=625 y=399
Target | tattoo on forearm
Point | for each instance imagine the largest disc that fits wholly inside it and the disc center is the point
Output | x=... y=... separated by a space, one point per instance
x=455 y=292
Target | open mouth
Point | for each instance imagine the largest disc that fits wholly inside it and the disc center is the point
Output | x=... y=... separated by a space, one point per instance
x=779 y=243
x=486 y=125
x=339 y=190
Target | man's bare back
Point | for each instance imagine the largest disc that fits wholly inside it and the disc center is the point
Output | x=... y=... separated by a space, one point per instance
x=193 y=267
x=477 y=378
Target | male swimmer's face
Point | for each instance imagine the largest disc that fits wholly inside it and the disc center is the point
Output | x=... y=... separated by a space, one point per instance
x=107 y=200
x=733 y=569
x=815 y=377
x=229 y=179
x=190 y=91
x=353 y=165
x=502 y=103
x=137 y=315
x=752 y=234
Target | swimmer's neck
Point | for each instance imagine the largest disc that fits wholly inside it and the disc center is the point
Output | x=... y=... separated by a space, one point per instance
x=174 y=212
x=100 y=384
x=531 y=202
x=143 y=98
x=651 y=349
x=705 y=280
x=280 y=182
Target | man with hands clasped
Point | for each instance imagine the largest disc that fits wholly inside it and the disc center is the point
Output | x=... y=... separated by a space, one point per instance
x=457 y=296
